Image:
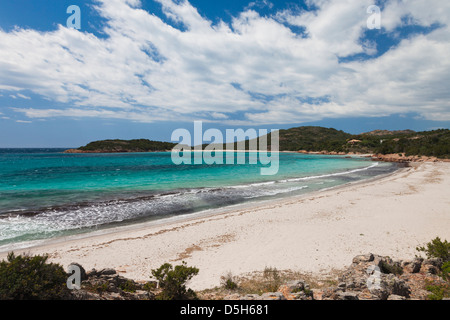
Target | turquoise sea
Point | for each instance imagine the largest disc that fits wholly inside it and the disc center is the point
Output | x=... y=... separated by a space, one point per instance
x=45 y=193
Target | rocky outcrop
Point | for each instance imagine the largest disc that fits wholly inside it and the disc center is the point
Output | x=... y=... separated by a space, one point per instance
x=369 y=277
x=324 y=152
x=74 y=151
x=106 y=284
x=373 y=277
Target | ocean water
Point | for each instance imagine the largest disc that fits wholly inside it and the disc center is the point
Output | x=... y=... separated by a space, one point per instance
x=45 y=193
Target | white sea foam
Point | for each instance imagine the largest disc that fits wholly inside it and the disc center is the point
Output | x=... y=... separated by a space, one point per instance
x=63 y=220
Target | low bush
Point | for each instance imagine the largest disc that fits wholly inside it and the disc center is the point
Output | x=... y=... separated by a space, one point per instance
x=128 y=286
x=172 y=281
x=391 y=268
x=25 y=277
x=438 y=291
x=446 y=271
x=229 y=281
x=437 y=249
x=272 y=279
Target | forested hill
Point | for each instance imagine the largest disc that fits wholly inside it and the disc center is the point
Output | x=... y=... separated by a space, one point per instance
x=317 y=139
x=113 y=146
x=427 y=143
x=314 y=139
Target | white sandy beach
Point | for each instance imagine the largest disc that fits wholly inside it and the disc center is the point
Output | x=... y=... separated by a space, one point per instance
x=314 y=233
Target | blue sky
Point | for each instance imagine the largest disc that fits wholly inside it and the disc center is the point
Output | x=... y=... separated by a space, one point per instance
x=141 y=69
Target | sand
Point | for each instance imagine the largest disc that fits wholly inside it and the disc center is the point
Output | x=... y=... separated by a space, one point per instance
x=315 y=233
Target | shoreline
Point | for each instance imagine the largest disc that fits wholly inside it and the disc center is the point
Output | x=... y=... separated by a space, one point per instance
x=398 y=158
x=144 y=223
x=316 y=232
x=254 y=204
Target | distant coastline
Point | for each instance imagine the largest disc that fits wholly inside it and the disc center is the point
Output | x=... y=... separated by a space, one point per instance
x=123 y=146
x=77 y=151
x=400 y=158
x=382 y=145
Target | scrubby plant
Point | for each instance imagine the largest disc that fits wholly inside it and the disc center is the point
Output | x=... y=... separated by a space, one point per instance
x=99 y=287
x=229 y=281
x=128 y=286
x=26 y=277
x=272 y=279
x=446 y=271
x=438 y=291
x=172 y=281
x=437 y=249
x=391 y=268
x=149 y=286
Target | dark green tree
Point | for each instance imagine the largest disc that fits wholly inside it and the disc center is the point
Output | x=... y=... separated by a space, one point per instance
x=25 y=277
x=172 y=281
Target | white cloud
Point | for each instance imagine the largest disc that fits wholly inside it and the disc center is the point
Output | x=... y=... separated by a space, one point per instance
x=23 y=96
x=260 y=4
x=147 y=70
x=218 y=115
x=406 y=12
x=138 y=115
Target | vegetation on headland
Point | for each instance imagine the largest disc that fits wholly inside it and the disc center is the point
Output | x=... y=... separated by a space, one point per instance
x=26 y=277
x=434 y=143
x=383 y=142
x=316 y=139
x=117 y=146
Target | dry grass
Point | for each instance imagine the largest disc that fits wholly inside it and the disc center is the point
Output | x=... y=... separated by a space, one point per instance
x=268 y=280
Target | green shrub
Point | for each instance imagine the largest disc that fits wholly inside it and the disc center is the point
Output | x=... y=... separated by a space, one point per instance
x=437 y=249
x=32 y=278
x=99 y=287
x=229 y=282
x=391 y=268
x=272 y=279
x=149 y=286
x=446 y=271
x=438 y=292
x=172 y=281
x=128 y=286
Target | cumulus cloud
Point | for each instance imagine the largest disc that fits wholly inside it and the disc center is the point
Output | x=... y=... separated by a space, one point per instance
x=147 y=70
x=260 y=4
